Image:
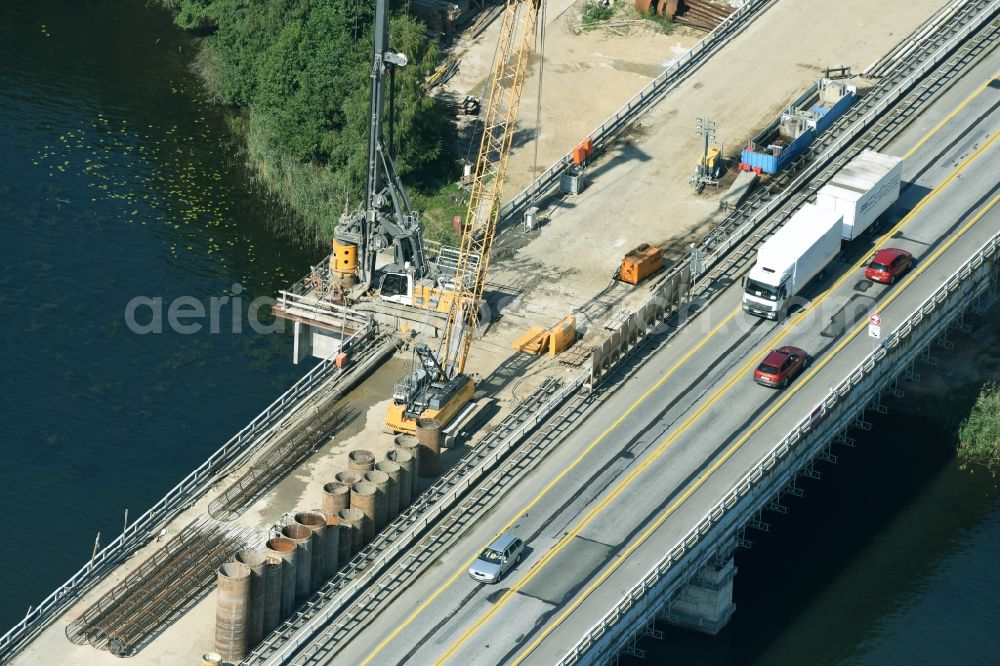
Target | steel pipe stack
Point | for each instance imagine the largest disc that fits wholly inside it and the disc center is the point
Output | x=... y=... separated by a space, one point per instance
x=381 y=482
x=392 y=490
x=316 y=523
x=254 y=560
x=285 y=550
x=233 y=586
x=429 y=440
x=336 y=496
x=363 y=498
x=272 y=593
x=360 y=461
x=404 y=459
x=354 y=519
x=301 y=536
x=331 y=544
x=409 y=444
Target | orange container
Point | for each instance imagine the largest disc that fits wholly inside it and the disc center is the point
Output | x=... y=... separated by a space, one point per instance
x=640 y=263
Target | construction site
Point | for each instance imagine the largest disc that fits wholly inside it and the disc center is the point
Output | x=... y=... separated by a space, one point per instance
x=611 y=169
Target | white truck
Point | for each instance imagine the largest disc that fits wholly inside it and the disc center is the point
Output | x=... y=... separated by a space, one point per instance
x=790 y=259
x=862 y=191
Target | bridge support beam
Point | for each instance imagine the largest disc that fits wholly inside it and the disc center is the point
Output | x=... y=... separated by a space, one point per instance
x=706 y=604
x=301 y=342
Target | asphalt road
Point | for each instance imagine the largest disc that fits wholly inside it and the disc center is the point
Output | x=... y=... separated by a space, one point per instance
x=677 y=433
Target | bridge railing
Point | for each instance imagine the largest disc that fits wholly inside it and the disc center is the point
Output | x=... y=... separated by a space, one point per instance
x=234 y=452
x=976 y=281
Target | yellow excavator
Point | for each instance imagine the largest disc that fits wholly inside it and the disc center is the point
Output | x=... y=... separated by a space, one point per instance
x=437 y=387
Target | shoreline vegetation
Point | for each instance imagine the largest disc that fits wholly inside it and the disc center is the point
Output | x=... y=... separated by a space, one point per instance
x=295 y=76
x=979 y=433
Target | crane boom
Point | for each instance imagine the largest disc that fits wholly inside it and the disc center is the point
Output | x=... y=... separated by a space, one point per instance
x=517 y=33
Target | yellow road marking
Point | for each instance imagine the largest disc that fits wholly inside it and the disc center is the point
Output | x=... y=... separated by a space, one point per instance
x=670 y=439
x=743 y=439
x=946 y=119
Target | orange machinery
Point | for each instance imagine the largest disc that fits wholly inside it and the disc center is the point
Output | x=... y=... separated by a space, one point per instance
x=640 y=263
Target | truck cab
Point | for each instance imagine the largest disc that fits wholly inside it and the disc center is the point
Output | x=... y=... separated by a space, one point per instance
x=764 y=293
x=397 y=288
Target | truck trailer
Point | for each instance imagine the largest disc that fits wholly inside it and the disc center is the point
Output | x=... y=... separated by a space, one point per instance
x=790 y=259
x=862 y=191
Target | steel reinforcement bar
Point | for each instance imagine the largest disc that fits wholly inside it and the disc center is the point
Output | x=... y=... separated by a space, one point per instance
x=238 y=450
x=974 y=283
x=612 y=127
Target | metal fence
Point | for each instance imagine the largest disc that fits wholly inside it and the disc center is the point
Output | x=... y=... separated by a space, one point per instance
x=233 y=453
x=974 y=283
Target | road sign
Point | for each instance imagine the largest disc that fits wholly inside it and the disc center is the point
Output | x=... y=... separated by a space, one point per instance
x=875 y=326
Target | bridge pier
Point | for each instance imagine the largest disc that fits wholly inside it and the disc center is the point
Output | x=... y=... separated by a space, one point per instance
x=705 y=604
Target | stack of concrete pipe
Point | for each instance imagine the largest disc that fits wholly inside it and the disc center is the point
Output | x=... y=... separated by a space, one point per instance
x=283 y=550
x=232 y=611
x=392 y=472
x=315 y=522
x=301 y=536
x=429 y=447
x=254 y=561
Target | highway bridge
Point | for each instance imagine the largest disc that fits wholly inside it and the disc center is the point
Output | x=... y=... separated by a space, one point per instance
x=633 y=482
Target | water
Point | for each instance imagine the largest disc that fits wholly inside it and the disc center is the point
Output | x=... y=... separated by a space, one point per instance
x=117 y=180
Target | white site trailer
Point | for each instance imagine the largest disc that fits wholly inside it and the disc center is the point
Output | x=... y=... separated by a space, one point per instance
x=790 y=259
x=862 y=191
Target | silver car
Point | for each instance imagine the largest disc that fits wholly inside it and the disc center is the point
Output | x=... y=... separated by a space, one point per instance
x=497 y=558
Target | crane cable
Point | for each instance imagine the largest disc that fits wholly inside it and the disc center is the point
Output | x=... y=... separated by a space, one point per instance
x=540 y=49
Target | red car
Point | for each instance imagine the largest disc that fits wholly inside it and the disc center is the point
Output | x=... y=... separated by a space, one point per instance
x=780 y=366
x=888 y=264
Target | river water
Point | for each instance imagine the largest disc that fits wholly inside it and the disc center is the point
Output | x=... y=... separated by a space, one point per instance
x=118 y=180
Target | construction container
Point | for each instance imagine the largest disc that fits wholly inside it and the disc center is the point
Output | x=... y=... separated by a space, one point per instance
x=211 y=659
x=572 y=181
x=429 y=447
x=336 y=496
x=316 y=522
x=301 y=536
x=363 y=498
x=406 y=462
x=392 y=491
x=233 y=588
x=381 y=482
x=285 y=550
x=254 y=560
x=862 y=190
x=331 y=546
x=354 y=518
x=360 y=461
x=272 y=593
x=640 y=263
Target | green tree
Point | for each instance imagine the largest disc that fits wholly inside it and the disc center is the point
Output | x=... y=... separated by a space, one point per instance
x=979 y=434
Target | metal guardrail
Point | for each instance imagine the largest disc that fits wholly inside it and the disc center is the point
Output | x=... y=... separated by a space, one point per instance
x=976 y=278
x=607 y=131
x=233 y=453
x=363 y=574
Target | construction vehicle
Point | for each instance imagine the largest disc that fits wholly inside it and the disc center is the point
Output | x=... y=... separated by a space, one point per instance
x=640 y=263
x=437 y=386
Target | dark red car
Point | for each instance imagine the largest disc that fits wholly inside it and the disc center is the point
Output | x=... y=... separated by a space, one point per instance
x=780 y=366
x=888 y=264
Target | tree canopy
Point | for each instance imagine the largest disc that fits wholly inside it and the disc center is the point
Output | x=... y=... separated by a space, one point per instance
x=301 y=68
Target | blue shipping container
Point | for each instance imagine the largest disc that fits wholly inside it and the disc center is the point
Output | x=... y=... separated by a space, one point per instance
x=772 y=164
x=834 y=112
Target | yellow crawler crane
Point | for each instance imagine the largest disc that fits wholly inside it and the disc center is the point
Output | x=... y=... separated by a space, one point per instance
x=438 y=388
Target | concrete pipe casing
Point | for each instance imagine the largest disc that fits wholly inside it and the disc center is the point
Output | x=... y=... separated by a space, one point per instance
x=316 y=522
x=354 y=518
x=363 y=498
x=429 y=449
x=336 y=496
x=348 y=478
x=360 y=461
x=301 y=536
x=392 y=491
x=381 y=483
x=405 y=460
x=409 y=444
x=233 y=588
x=286 y=551
x=331 y=544
x=272 y=593
x=254 y=560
